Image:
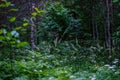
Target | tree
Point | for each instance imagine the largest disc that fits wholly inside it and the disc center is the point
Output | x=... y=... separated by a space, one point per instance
x=108 y=26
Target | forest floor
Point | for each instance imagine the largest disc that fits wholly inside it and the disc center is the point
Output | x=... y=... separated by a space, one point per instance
x=51 y=67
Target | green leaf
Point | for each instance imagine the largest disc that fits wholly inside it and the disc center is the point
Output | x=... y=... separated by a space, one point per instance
x=115 y=1
x=2 y=5
x=9 y=35
x=2 y=38
x=41 y=11
x=12 y=19
x=25 y=24
x=8 y=4
x=21 y=44
x=12 y=42
x=34 y=14
x=1 y=31
x=18 y=28
x=36 y=9
x=14 y=9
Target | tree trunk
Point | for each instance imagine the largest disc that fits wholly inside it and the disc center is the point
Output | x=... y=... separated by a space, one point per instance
x=96 y=29
x=93 y=23
x=32 y=38
x=108 y=27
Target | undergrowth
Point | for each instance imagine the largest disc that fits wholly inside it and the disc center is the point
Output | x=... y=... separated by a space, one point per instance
x=64 y=61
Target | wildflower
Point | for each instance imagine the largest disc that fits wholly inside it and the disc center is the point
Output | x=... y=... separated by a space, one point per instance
x=115 y=62
x=107 y=65
x=35 y=70
x=15 y=33
x=93 y=78
x=23 y=60
x=72 y=76
x=51 y=78
x=111 y=67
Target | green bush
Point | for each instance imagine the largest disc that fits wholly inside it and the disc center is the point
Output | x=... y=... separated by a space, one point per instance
x=58 y=22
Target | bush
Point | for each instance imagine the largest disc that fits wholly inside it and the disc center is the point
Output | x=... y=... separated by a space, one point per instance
x=59 y=23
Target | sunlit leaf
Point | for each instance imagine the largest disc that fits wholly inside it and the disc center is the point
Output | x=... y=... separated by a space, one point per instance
x=36 y=9
x=34 y=14
x=12 y=42
x=14 y=9
x=18 y=28
x=1 y=31
x=25 y=24
x=21 y=44
x=41 y=11
x=12 y=19
x=8 y=4
x=2 y=5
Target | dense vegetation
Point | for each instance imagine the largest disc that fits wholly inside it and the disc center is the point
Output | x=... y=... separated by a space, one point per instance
x=59 y=40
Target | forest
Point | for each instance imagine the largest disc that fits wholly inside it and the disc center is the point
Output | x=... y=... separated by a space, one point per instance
x=59 y=40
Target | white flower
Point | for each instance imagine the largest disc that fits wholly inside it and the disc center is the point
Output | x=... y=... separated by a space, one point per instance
x=107 y=65
x=115 y=62
x=116 y=59
x=93 y=78
x=40 y=70
x=111 y=67
x=15 y=33
x=51 y=78
x=35 y=70
x=61 y=61
x=72 y=76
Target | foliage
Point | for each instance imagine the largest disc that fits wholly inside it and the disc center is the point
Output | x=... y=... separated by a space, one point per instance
x=70 y=39
x=65 y=62
x=58 y=21
x=116 y=36
x=9 y=38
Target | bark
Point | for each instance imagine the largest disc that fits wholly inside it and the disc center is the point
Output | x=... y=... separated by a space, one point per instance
x=94 y=22
x=32 y=38
x=32 y=35
x=108 y=26
x=97 y=33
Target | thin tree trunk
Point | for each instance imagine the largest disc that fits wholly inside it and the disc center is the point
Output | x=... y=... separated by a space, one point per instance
x=32 y=4
x=108 y=28
x=32 y=34
x=97 y=33
x=93 y=23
